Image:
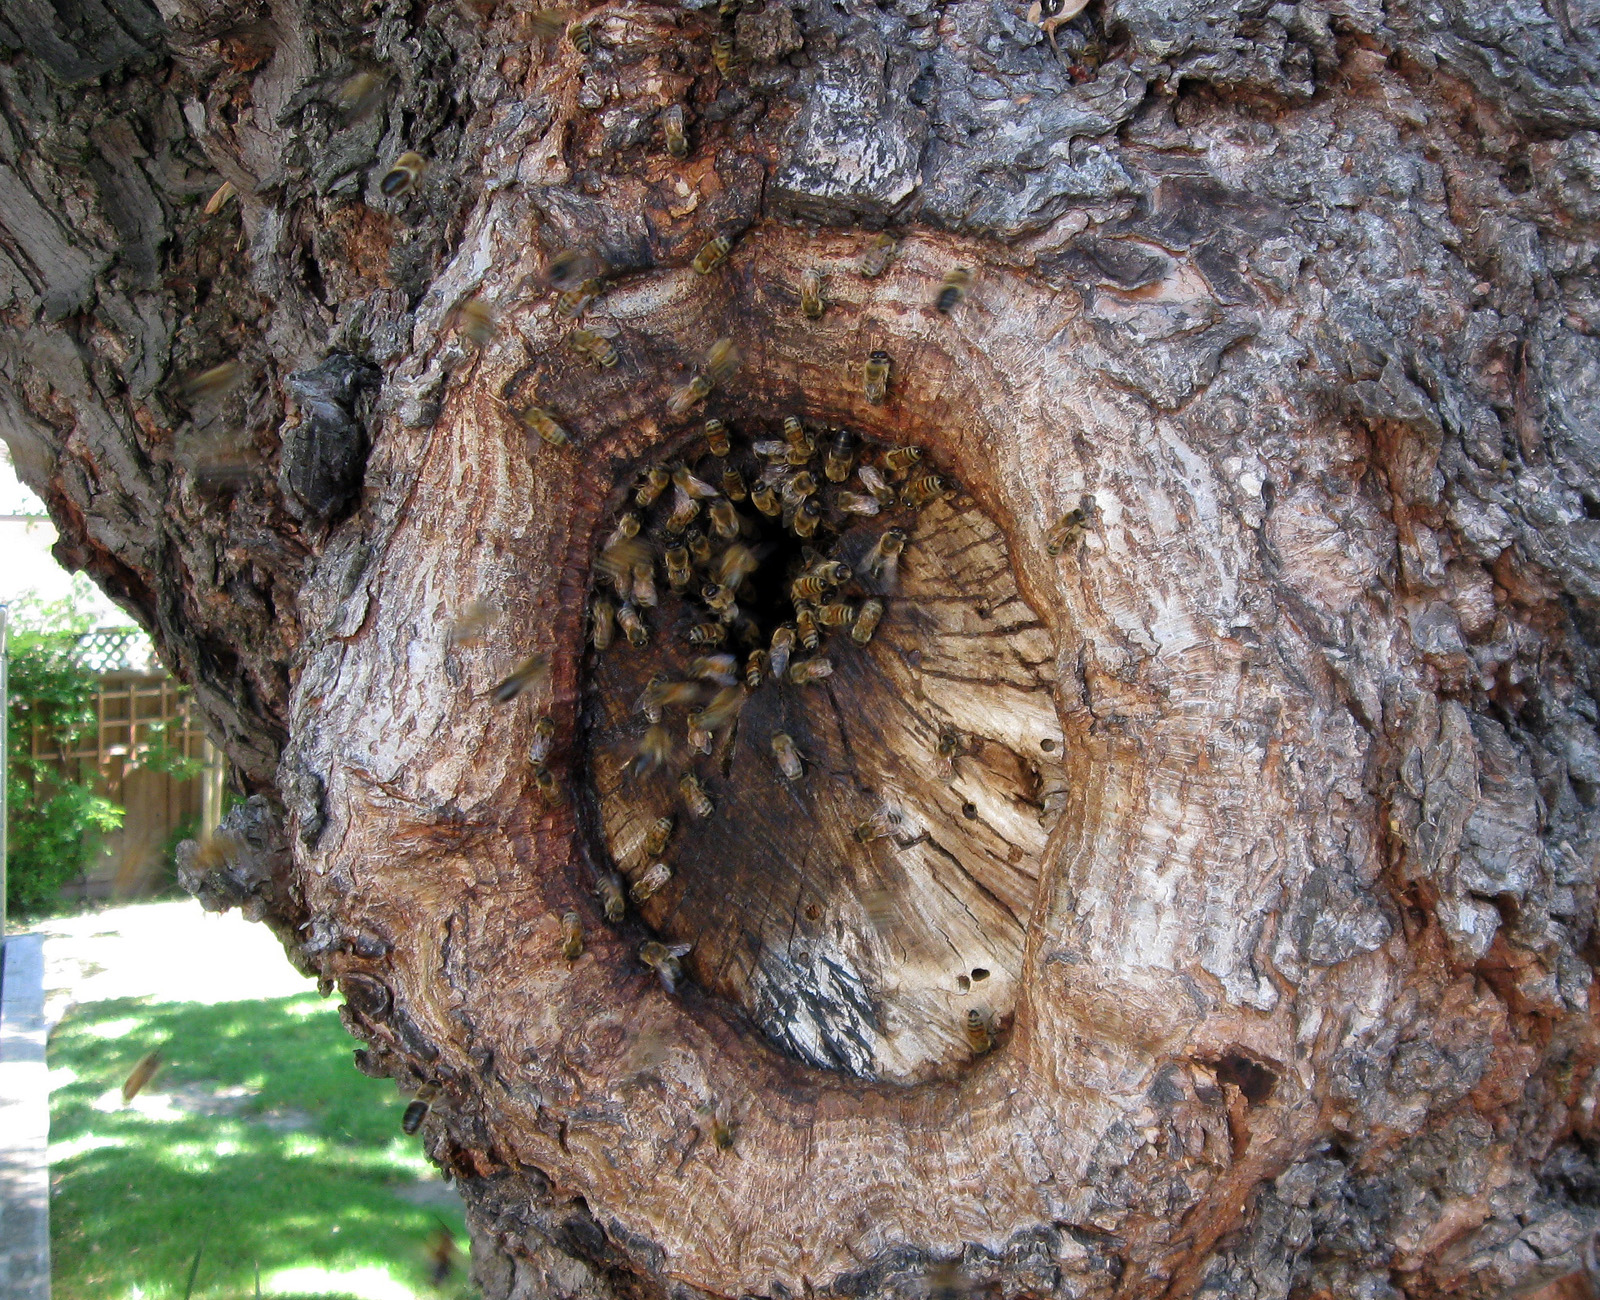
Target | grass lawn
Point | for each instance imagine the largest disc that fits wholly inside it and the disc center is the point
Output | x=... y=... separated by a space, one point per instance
x=257 y=1144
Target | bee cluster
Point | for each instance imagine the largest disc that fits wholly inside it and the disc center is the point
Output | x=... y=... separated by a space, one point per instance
x=737 y=578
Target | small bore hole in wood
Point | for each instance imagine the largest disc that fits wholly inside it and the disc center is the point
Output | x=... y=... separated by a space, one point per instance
x=1048 y=745
x=963 y=983
x=787 y=626
x=978 y=973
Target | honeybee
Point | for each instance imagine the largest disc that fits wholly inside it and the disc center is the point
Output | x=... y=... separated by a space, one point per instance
x=632 y=625
x=923 y=489
x=755 y=668
x=663 y=693
x=724 y=1132
x=766 y=500
x=687 y=395
x=404 y=175
x=672 y=127
x=214 y=380
x=736 y=564
x=707 y=634
x=417 y=1111
x=880 y=825
x=724 y=707
x=532 y=673
x=609 y=886
x=571 y=936
x=875 y=484
x=835 y=571
x=699 y=546
x=717 y=438
x=574 y=302
x=655 y=483
x=798 y=486
x=1070 y=527
x=793 y=430
x=651 y=883
x=699 y=489
x=616 y=562
x=722 y=361
x=728 y=10
x=360 y=94
x=978 y=1038
x=898 y=460
x=836 y=614
x=143 y=1071
x=655 y=840
x=771 y=449
x=654 y=750
x=722 y=53
x=549 y=788
x=596 y=347
x=677 y=558
x=602 y=622
x=857 y=503
x=804 y=671
x=628 y=525
x=475 y=319
x=700 y=737
x=544 y=739
x=662 y=958
x=875 y=377
x=684 y=510
x=953 y=290
x=841 y=457
x=541 y=422
x=783 y=638
x=695 y=796
x=806 y=624
x=799 y=453
x=570 y=268
x=712 y=254
x=718 y=599
x=883 y=560
x=811 y=294
x=582 y=41
x=874 y=261
x=808 y=587
x=867 y=621
x=788 y=756
x=722 y=669
x=733 y=484
x=948 y=746
x=474 y=621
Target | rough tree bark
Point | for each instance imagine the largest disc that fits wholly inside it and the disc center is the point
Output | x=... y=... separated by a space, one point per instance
x=1268 y=806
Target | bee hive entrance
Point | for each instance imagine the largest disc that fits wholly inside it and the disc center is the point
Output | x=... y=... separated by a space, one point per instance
x=860 y=911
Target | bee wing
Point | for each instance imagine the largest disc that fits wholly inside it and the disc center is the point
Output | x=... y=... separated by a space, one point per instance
x=605 y=329
x=679 y=949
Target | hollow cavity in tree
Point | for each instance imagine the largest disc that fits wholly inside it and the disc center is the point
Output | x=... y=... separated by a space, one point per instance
x=861 y=905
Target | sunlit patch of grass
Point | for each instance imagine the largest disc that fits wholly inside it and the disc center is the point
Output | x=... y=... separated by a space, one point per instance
x=258 y=1144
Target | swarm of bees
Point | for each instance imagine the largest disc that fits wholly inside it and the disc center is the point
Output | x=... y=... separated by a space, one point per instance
x=753 y=560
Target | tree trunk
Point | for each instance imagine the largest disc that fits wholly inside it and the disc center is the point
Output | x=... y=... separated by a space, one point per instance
x=1188 y=888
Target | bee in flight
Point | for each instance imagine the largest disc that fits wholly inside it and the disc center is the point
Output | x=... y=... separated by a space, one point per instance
x=417 y=1111
x=953 y=290
x=662 y=958
x=404 y=175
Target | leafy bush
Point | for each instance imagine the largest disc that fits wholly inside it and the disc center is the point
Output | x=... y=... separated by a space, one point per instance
x=56 y=818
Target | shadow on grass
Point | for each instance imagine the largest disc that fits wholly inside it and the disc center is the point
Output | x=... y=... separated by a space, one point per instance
x=257 y=1143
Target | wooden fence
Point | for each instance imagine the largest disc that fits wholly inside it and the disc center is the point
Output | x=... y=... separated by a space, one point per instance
x=143 y=720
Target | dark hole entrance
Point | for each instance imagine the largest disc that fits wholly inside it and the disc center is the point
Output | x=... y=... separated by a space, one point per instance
x=1251 y=1078
x=978 y=973
x=833 y=780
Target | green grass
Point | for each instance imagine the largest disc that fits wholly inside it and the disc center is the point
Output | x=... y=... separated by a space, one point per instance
x=295 y=1170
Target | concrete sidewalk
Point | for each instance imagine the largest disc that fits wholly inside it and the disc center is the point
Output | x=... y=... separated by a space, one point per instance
x=24 y=1123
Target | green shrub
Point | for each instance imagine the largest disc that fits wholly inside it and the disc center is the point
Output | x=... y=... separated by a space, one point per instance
x=56 y=818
